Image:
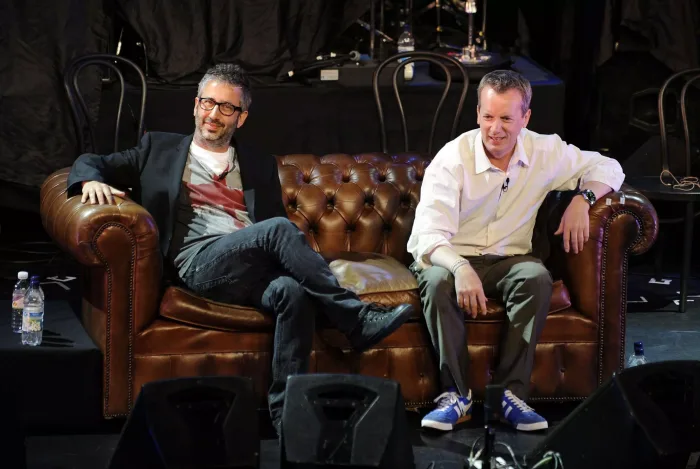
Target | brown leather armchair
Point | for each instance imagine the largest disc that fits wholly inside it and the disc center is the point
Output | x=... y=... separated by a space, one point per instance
x=357 y=211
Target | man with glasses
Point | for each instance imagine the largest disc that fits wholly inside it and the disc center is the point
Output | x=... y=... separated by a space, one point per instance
x=223 y=227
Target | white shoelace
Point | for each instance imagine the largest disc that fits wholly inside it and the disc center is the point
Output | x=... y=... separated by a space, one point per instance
x=517 y=402
x=446 y=399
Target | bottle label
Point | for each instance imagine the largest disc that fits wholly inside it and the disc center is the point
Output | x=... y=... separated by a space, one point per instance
x=17 y=300
x=32 y=317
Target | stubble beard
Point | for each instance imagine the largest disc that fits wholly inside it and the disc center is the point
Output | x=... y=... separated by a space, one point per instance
x=210 y=139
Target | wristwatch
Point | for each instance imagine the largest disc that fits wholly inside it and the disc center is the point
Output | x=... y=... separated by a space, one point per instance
x=588 y=195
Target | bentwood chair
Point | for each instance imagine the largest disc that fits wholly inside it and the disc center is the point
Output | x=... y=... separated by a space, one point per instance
x=666 y=186
x=79 y=106
x=424 y=56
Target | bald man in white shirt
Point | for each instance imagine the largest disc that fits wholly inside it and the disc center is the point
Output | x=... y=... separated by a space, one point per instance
x=472 y=238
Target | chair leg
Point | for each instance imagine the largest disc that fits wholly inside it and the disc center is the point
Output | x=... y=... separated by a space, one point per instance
x=687 y=253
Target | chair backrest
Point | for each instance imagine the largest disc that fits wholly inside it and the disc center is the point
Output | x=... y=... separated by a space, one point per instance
x=694 y=74
x=79 y=107
x=423 y=56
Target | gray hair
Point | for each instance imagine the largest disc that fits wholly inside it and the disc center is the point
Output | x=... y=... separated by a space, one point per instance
x=504 y=80
x=231 y=74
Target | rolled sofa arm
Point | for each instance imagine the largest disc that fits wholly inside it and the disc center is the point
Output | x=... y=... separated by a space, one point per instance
x=118 y=246
x=636 y=205
x=79 y=228
x=622 y=223
x=121 y=240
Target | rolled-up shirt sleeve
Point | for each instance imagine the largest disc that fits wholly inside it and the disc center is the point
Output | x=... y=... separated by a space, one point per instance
x=574 y=164
x=438 y=212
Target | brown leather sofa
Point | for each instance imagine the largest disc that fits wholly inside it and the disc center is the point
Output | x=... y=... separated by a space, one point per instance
x=357 y=211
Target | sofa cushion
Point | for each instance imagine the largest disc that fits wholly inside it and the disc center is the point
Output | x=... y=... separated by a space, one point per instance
x=376 y=278
x=373 y=277
x=496 y=310
x=184 y=306
x=561 y=299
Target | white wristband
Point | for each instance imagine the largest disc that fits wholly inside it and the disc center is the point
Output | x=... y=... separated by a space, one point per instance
x=457 y=265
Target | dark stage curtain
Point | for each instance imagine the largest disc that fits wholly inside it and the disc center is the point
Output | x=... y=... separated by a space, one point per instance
x=37 y=40
x=266 y=37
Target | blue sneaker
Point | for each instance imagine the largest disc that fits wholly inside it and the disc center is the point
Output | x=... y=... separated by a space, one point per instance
x=519 y=415
x=452 y=409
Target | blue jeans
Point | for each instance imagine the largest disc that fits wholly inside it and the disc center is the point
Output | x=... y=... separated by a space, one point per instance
x=270 y=266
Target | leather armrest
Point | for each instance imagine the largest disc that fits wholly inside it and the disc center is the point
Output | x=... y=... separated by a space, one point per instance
x=117 y=243
x=636 y=205
x=617 y=230
x=78 y=228
x=597 y=276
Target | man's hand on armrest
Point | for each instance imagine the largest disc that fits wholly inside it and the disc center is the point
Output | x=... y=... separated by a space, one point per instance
x=575 y=224
x=99 y=193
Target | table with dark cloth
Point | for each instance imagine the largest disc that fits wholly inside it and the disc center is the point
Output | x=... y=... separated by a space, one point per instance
x=327 y=118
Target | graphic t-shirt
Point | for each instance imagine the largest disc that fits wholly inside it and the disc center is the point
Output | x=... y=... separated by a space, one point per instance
x=210 y=205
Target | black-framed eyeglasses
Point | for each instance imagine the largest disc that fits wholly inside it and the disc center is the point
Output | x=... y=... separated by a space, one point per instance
x=225 y=108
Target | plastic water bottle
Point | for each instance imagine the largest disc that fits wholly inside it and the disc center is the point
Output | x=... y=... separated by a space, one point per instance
x=18 y=301
x=38 y=284
x=637 y=358
x=406 y=43
x=33 y=314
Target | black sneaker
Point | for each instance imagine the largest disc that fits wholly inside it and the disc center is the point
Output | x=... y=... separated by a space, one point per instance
x=377 y=323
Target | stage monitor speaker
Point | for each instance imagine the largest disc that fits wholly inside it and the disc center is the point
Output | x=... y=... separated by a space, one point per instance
x=644 y=110
x=645 y=417
x=646 y=160
x=205 y=422
x=348 y=421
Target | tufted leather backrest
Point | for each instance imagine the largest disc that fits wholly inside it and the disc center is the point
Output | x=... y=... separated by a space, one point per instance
x=360 y=203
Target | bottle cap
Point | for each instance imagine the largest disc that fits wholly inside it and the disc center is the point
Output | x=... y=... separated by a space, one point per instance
x=35 y=278
x=638 y=348
x=22 y=275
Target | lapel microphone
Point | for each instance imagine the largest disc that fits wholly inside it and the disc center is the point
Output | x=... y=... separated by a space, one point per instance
x=504 y=187
x=223 y=175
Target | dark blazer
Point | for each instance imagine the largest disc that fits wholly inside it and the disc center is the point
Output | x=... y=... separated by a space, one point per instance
x=153 y=172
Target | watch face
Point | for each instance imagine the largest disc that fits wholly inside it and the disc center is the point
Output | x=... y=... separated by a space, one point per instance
x=589 y=196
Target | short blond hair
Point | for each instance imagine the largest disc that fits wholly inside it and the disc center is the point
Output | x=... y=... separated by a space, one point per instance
x=503 y=80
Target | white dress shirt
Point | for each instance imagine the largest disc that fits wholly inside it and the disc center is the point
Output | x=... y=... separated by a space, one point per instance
x=463 y=204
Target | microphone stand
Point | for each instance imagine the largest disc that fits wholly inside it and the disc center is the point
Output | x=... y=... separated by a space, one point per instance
x=492 y=412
